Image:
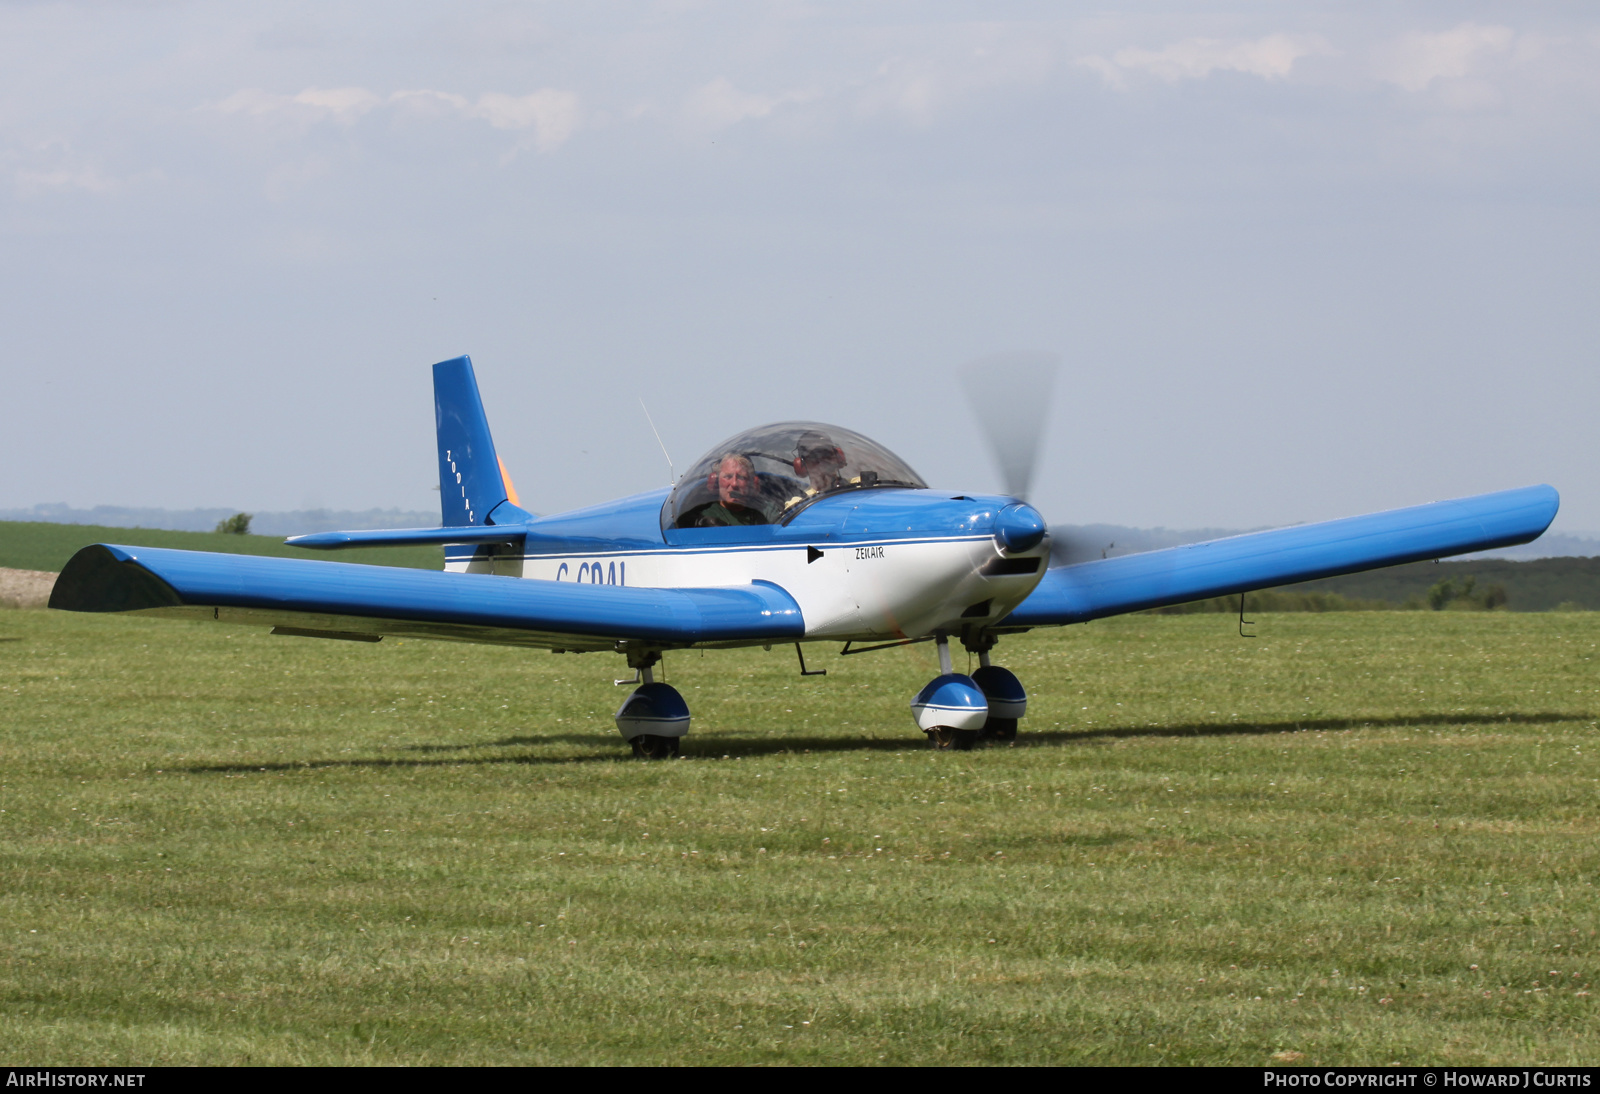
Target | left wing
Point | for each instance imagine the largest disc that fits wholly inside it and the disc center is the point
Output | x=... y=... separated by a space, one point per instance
x=347 y=600
x=1260 y=560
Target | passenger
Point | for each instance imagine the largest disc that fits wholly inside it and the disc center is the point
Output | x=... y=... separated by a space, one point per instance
x=821 y=462
x=737 y=487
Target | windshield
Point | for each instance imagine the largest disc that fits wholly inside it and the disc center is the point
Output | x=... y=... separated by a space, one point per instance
x=767 y=475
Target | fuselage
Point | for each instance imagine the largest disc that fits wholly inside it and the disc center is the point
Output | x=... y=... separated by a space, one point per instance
x=879 y=563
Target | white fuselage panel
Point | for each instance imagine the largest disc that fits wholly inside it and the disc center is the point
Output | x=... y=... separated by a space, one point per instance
x=876 y=590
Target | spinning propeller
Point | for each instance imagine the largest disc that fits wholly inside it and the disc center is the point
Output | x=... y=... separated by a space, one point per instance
x=1010 y=396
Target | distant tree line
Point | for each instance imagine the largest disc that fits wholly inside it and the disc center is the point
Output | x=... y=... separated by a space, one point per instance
x=1449 y=595
x=1540 y=585
x=1277 y=600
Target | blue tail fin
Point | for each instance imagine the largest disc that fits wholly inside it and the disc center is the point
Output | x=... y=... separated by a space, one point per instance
x=472 y=480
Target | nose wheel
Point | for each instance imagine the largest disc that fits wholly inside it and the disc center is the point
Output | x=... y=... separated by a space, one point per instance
x=956 y=712
x=652 y=746
x=950 y=739
x=1007 y=701
x=951 y=709
x=1000 y=729
x=654 y=717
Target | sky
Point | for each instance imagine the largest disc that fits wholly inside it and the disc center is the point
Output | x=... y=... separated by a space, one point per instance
x=1299 y=261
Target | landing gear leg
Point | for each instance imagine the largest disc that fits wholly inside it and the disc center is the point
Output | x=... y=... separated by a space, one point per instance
x=1001 y=690
x=951 y=709
x=654 y=717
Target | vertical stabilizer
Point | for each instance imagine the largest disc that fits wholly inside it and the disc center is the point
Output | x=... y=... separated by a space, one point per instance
x=471 y=480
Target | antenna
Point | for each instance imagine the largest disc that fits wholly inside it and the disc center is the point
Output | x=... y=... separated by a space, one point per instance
x=670 y=469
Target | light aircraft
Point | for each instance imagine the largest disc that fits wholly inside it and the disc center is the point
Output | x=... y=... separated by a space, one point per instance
x=790 y=533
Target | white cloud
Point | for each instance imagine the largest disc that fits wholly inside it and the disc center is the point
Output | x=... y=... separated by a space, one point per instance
x=911 y=89
x=254 y=101
x=1271 y=58
x=88 y=179
x=552 y=115
x=290 y=178
x=64 y=171
x=341 y=104
x=980 y=59
x=1414 y=61
x=720 y=104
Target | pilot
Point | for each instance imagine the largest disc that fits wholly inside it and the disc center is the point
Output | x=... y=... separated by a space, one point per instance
x=737 y=487
x=821 y=462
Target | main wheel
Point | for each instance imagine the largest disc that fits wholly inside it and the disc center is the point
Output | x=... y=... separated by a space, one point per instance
x=649 y=746
x=948 y=739
x=1000 y=729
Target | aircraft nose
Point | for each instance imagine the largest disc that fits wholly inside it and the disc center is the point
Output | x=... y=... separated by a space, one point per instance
x=1019 y=527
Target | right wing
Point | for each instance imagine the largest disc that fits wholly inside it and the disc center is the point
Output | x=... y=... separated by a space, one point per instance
x=1261 y=560
x=346 y=600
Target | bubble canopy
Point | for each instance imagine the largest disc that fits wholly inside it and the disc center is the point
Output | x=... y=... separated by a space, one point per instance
x=768 y=474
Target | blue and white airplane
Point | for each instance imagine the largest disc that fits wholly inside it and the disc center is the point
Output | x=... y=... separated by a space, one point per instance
x=794 y=532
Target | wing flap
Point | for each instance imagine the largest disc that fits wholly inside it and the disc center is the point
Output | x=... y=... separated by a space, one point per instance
x=1259 y=560
x=337 y=596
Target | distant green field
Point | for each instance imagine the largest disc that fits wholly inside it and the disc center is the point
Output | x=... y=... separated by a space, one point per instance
x=1363 y=838
x=35 y=545
x=1542 y=585
x=1537 y=586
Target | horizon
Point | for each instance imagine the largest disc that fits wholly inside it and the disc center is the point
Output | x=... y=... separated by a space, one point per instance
x=1125 y=539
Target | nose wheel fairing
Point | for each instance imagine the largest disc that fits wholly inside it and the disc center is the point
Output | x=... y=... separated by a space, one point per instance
x=654 y=717
x=654 y=709
x=950 y=700
x=956 y=711
x=1003 y=692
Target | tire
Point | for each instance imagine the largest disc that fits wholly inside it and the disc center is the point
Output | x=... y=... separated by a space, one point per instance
x=648 y=746
x=947 y=739
x=1000 y=729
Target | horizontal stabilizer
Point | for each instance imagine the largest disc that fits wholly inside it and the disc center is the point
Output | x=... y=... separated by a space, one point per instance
x=1260 y=560
x=311 y=595
x=410 y=537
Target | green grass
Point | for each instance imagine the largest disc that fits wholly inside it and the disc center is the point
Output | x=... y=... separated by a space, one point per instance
x=37 y=545
x=221 y=846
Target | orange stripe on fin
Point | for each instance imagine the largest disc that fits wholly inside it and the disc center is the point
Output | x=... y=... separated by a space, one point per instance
x=505 y=479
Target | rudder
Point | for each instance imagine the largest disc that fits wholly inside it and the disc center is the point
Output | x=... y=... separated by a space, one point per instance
x=472 y=481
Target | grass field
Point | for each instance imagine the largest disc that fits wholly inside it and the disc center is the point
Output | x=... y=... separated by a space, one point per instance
x=1362 y=838
x=39 y=545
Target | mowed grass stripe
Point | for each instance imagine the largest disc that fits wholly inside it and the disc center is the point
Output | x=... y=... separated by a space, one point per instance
x=222 y=846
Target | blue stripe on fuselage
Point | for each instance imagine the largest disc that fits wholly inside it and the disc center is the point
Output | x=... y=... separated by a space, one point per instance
x=881 y=515
x=466 y=554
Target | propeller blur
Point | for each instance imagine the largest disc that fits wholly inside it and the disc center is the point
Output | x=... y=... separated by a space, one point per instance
x=1010 y=395
x=792 y=532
